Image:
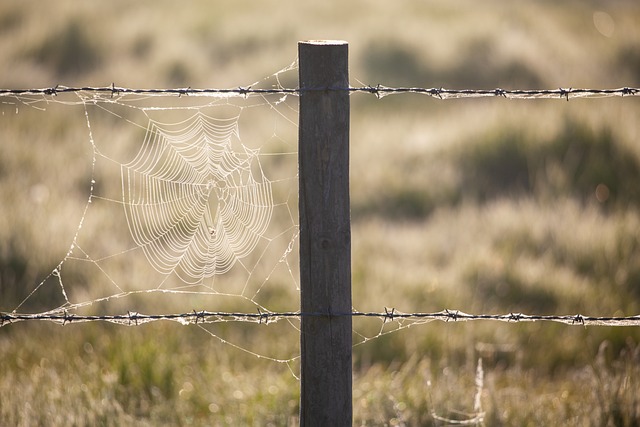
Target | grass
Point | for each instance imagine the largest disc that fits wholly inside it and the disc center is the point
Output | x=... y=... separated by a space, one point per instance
x=127 y=379
x=487 y=206
x=113 y=376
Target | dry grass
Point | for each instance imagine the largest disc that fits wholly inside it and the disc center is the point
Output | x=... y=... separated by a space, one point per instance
x=482 y=206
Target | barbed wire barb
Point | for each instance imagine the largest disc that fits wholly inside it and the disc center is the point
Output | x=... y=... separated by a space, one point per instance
x=389 y=314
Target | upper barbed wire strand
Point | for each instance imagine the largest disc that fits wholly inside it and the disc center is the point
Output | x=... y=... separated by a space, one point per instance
x=378 y=90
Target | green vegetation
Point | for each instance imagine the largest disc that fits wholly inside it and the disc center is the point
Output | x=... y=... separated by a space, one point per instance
x=486 y=206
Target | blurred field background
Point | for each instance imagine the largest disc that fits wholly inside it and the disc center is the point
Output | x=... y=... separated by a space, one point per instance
x=486 y=206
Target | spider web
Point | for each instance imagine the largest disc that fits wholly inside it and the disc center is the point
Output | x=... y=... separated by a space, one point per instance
x=192 y=203
x=177 y=210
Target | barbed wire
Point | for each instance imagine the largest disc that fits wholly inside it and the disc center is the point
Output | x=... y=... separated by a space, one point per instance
x=114 y=90
x=561 y=93
x=133 y=318
x=378 y=90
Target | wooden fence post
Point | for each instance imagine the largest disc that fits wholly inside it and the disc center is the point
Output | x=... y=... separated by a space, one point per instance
x=325 y=235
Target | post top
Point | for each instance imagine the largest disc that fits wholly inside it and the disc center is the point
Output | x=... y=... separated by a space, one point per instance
x=324 y=42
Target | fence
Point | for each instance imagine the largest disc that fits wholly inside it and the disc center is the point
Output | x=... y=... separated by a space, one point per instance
x=325 y=232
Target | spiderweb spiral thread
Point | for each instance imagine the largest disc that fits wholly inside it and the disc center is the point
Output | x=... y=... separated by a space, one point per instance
x=192 y=203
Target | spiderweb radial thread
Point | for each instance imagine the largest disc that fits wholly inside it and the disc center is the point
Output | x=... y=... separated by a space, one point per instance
x=193 y=204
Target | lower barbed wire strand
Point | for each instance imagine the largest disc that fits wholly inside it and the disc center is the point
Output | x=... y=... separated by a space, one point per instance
x=133 y=318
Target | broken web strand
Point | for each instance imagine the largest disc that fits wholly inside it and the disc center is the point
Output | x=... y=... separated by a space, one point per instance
x=57 y=271
x=291 y=363
x=388 y=323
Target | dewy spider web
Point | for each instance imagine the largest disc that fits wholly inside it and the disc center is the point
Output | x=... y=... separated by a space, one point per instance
x=192 y=204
